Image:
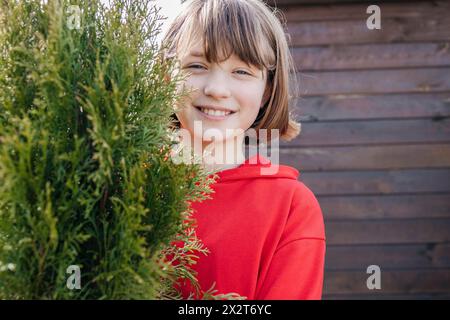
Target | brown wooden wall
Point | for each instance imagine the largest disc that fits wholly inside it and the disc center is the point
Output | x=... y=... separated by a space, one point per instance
x=375 y=141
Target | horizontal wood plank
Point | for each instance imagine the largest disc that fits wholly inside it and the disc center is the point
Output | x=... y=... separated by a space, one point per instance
x=348 y=11
x=361 y=107
x=367 y=157
x=387 y=257
x=404 y=206
x=372 y=132
x=387 y=231
x=392 y=282
x=285 y=3
x=371 y=56
x=380 y=295
x=415 y=29
x=387 y=182
x=374 y=81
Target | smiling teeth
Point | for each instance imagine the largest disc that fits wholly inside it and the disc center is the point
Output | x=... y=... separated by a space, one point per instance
x=212 y=112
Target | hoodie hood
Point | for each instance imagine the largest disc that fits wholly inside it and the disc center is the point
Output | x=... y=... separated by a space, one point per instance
x=257 y=166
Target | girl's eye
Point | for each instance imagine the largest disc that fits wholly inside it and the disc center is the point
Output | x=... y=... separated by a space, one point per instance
x=197 y=66
x=244 y=72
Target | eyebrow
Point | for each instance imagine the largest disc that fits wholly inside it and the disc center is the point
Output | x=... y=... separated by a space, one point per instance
x=201 y=55
x=197 y=54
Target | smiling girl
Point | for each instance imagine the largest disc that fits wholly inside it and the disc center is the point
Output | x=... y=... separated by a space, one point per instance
x=265 y=233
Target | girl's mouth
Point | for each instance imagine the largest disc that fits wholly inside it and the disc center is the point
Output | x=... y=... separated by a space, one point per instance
x=214 y=114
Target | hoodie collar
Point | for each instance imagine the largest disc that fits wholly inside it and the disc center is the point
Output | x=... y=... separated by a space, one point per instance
x=257 y=166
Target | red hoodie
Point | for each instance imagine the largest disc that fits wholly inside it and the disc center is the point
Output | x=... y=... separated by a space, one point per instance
x=265 y=234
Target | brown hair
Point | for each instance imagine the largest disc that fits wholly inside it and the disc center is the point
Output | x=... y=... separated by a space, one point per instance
x=251 y=30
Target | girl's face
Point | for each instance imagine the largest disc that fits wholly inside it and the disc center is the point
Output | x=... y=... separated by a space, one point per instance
x=231 y=86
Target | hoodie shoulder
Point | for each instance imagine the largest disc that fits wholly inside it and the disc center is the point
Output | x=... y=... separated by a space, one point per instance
x=306 y=213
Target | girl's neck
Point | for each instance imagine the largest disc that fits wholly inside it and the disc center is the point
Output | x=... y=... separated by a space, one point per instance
x=213 y=156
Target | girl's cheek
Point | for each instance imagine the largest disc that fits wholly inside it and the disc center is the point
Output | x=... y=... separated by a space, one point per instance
x=193 y=82
x=187 y=86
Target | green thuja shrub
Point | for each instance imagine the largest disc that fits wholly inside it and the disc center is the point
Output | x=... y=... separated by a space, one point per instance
x=85 y=174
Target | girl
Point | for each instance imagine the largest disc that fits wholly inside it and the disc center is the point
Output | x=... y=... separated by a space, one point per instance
x=265 y=232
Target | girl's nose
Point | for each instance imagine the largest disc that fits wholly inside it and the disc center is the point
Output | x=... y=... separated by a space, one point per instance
x=217 y=87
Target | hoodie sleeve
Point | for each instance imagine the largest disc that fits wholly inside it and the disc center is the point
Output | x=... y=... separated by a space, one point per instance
x=297 y=266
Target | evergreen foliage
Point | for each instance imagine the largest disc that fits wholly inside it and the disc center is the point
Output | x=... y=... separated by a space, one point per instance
x=85 y=174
